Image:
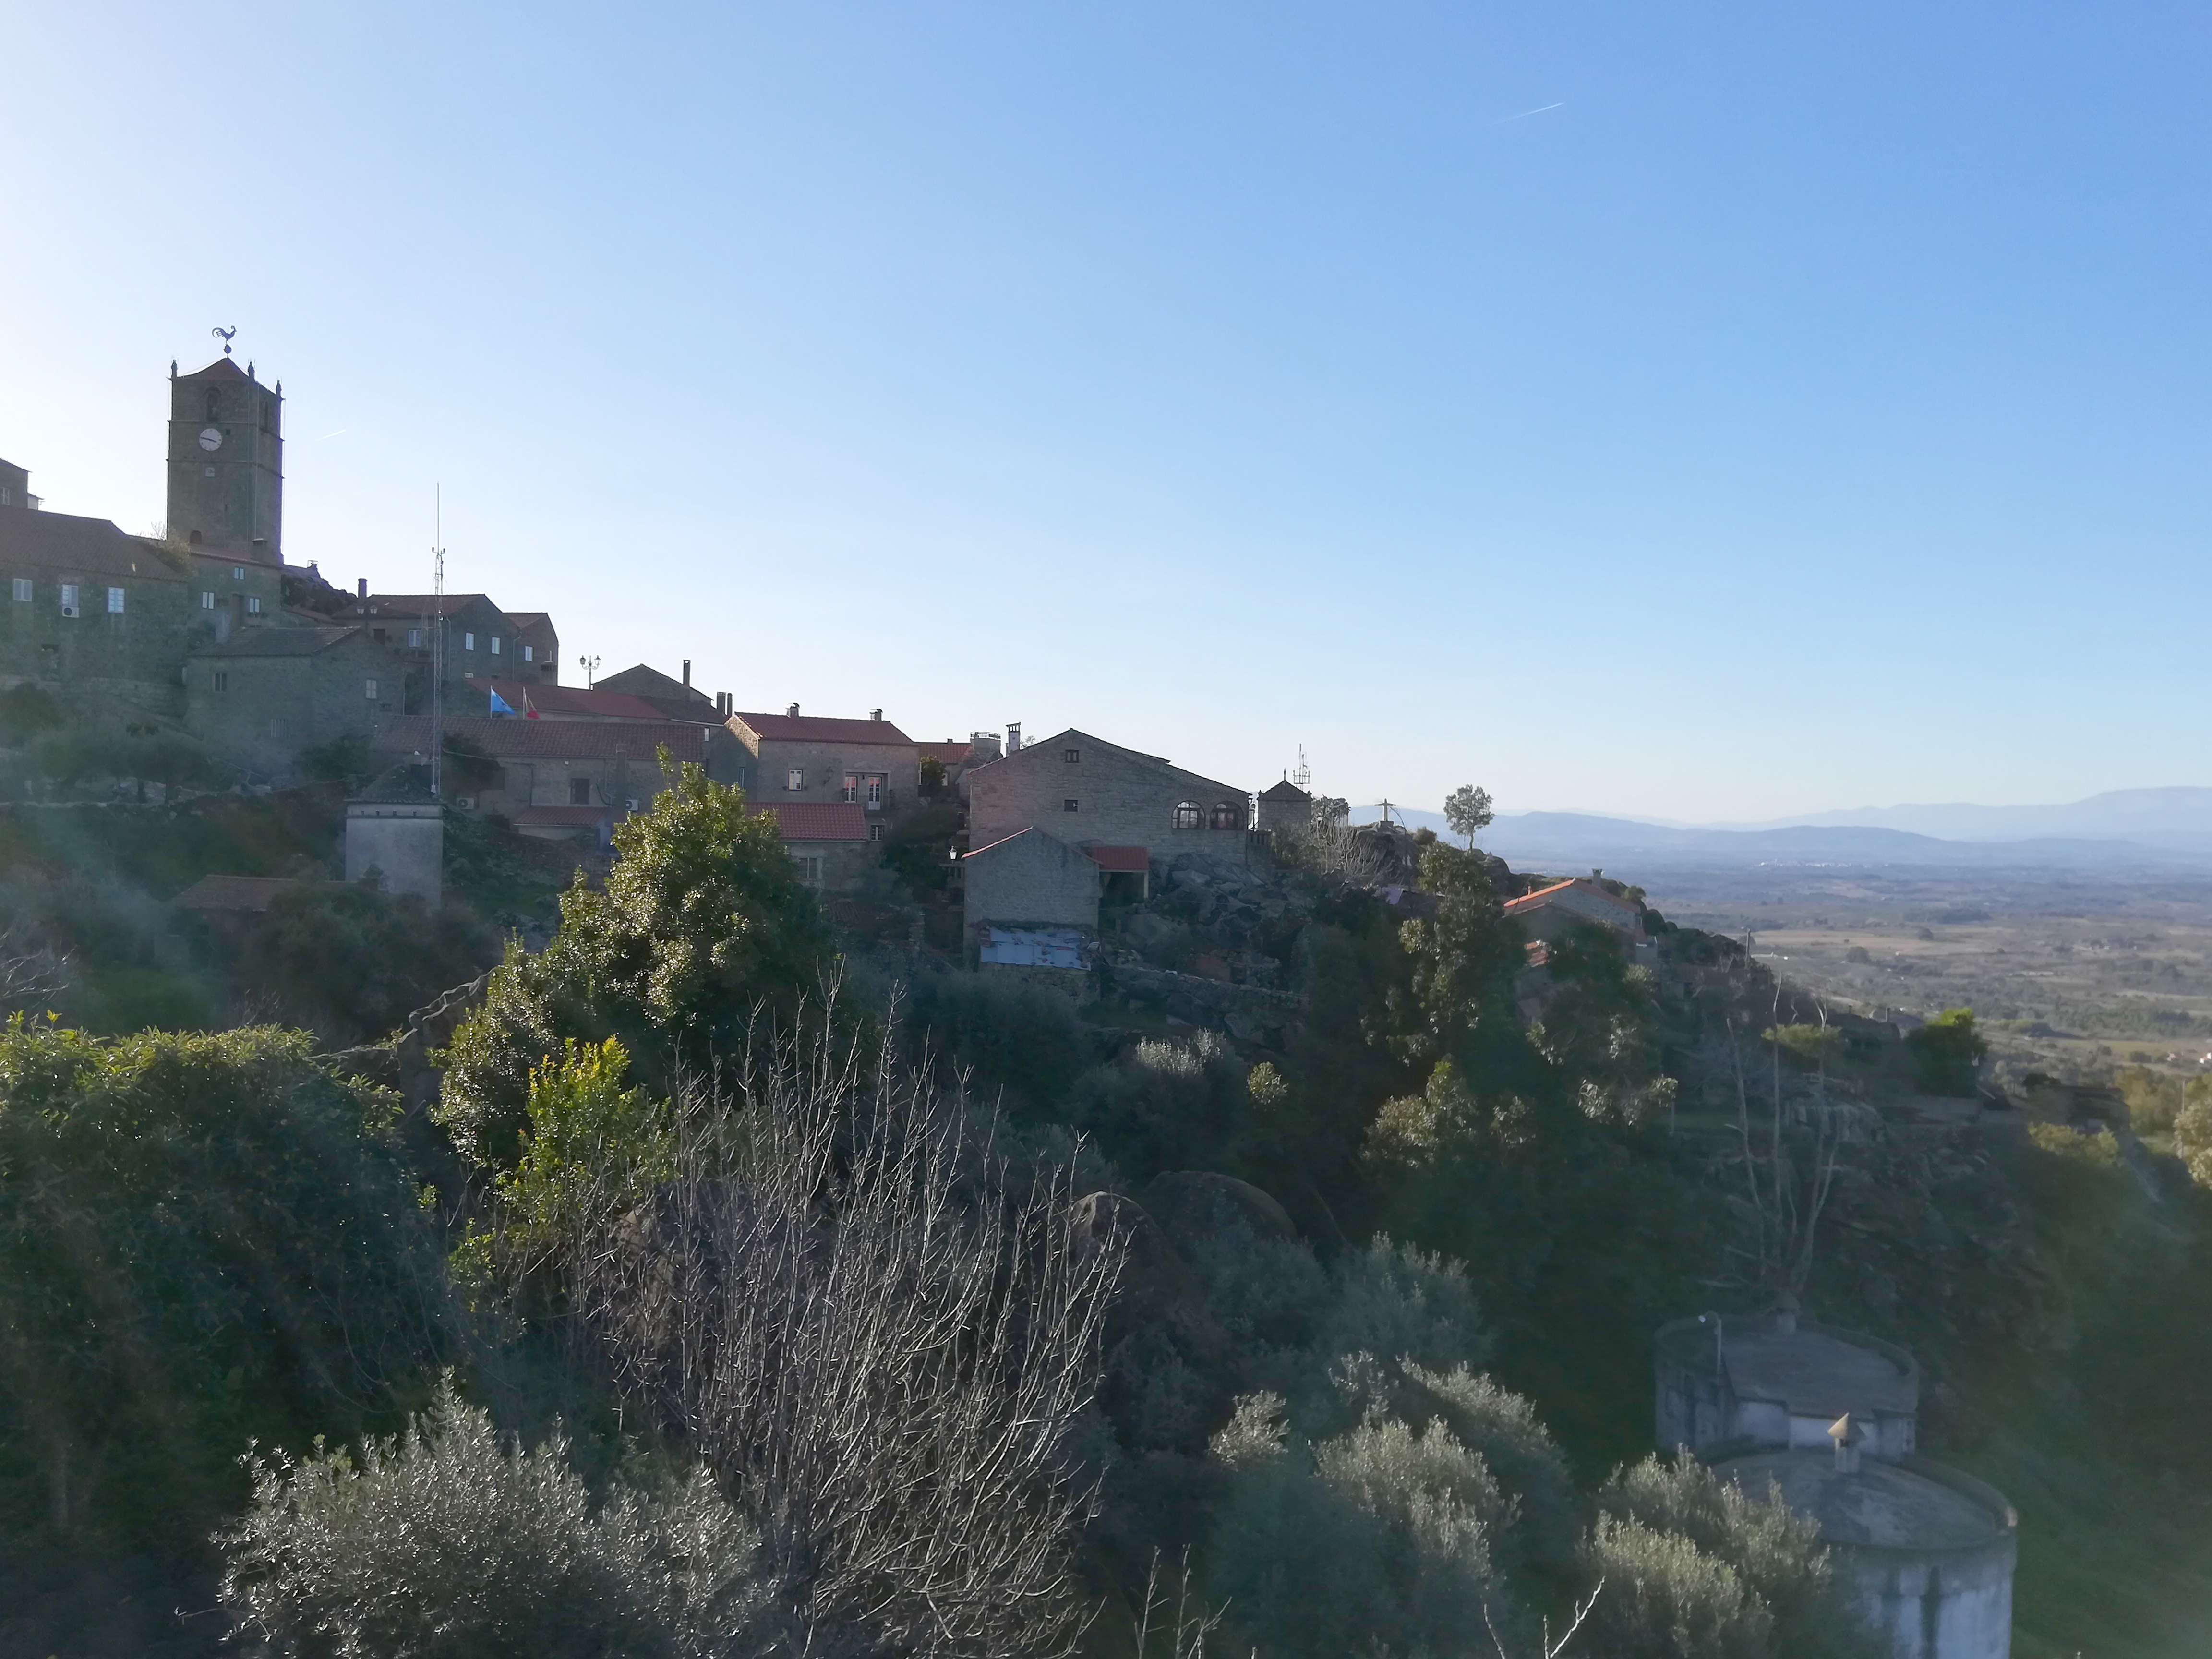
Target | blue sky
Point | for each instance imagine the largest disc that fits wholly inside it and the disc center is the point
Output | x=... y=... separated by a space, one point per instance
x=1806 y=408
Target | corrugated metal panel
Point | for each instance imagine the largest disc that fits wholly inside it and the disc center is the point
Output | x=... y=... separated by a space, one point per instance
x=1032 y=947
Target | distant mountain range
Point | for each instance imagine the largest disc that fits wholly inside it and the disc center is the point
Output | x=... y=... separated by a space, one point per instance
x=2151 y=829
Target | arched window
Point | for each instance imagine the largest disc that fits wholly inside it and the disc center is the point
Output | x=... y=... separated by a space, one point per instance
x=1189 y=816
x=1226 y=817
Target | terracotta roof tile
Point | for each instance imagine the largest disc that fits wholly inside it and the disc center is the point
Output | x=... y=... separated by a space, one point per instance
x=1119 y=858
x=817 y=820
x=947 y=754
x=1544 y=896
x=562 y=702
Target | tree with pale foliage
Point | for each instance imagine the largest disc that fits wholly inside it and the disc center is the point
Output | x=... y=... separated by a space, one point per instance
x=1468 y=810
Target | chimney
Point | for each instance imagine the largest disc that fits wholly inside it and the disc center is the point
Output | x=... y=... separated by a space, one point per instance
x=793 y=711
x=875 y=714
x=722 y=704
x=1013 y=737
x=361 y=587
x=687 y=674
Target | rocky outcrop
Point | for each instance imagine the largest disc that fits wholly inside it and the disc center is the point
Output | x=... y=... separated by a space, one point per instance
x=403 y=1062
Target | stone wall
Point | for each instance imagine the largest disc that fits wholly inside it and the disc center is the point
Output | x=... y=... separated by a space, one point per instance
x=259 y=702
x=1030 y=880
x=765 y=774
x=404 y=841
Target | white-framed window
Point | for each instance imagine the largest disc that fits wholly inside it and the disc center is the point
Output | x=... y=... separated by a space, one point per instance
x=875 y=794
x=253 y=604
x=221 y=680
x=207 y=601
x=795 y=779
x=809 y=867
x=23 y=589
x=1068 y=805
x=114 y=601
x=238 y=573
x=414 y=638
x=875 y=832
x=852 y=790
x=369 y=687
x=529 y=653
x=468 y=641
x=494 y=644
x=68 y=599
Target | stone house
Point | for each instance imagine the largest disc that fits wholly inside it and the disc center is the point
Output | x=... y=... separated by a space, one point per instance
x=828 y=840
x=1549 y=912
x=794 y=758
x=16 y=487
x=556 y=778
x=89 y=606
x=1083 y=790
x=262 y=696
x=1282 y=806
x=955 y=760
x=481 y=639
x=674 y=699
x=1031 y=879
x=539 y=647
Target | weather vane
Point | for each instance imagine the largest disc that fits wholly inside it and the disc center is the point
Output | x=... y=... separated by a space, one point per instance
x=225 y=335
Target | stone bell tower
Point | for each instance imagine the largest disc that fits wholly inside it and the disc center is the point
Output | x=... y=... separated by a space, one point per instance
x=226 y=461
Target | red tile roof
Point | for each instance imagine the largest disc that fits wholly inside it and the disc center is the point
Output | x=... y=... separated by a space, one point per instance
x=1119 y=858
x=817 y=820
x=521 y=739
x=1544 y=896
x=65 y=543
x=819 y=728
x=562 y=702
x=947 y=754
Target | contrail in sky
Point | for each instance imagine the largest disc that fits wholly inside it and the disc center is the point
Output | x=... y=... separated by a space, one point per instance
x=340 y=433
x=1525 y=114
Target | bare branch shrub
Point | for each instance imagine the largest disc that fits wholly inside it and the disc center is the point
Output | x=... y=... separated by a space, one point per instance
x=872 y=1338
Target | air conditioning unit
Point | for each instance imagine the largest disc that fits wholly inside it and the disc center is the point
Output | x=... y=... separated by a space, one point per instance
x=69 y=611
x=466 y=803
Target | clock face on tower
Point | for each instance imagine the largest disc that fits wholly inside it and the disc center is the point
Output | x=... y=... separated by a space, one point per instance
x=210 y=438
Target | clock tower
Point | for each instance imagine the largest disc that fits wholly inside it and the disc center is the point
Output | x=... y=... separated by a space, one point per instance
x=226 y=461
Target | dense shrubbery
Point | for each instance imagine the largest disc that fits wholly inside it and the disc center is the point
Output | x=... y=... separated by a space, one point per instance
x=205 y=1238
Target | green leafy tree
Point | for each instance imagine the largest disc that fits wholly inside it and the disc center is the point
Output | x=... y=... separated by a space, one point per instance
x=1468 y=810
x=203 y=1239
x=353 y=962
x=703 y=932
x=1947 y=1053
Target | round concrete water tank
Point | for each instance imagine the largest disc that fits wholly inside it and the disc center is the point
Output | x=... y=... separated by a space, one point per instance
x=1928 y=1552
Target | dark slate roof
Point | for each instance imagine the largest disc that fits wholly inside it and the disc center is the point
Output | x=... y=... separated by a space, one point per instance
x=279 y=642
x=1287 y=791
x=64 y=542
x=1878 y=1504
x=416 y=604
x=521 y=739
x=643 y=680
x=823 y=728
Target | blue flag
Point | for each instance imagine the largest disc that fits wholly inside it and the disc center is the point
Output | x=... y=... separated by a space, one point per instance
x=499 y=705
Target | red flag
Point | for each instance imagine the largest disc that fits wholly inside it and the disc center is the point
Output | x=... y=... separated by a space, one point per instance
x=529 y=708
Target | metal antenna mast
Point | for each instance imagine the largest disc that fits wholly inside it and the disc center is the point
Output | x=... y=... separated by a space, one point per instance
x=438 y=646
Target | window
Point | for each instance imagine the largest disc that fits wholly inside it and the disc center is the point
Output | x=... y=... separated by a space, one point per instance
x=369 y=688
x=494 y=644
x=254 y=608
x=795 y=779
x=852 y=789
x=1226 y=817
x=580 y=792
x=468 y=641
x=207 y=601
x=809 y=867
x=1188 y=816
x=415 y=638
x=1072 y=756
x=23 y=589
x=68 y=599
x=1068 y=805
x=875 y=832
x=114 y=601
x=238 y=573
x=875 y=794
x=529 y=653
x=221 y=680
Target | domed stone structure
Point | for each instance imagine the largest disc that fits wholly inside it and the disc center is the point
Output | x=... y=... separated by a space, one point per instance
x=1928 y=1552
